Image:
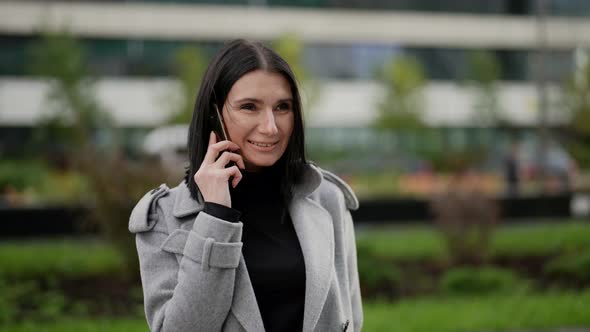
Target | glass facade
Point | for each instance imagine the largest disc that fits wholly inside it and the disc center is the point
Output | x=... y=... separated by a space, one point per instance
x=491 y=7
x=121 y=57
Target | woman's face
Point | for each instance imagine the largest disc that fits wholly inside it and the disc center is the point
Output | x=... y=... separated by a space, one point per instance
x=258 y=115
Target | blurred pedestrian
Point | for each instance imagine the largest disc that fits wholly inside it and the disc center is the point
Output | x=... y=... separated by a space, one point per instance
x=256 y=238
x=512 y=170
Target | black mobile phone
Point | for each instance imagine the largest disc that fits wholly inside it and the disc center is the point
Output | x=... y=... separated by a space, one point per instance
x=218 y=126
x=219 y=129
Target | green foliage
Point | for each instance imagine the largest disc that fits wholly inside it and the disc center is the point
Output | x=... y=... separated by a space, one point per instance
x=403 y=79
x=376 y=184
x=489 y=313
x=74 y=112
x=21 y=175
x=375 y=273
x=572 y=266
x=576 y=101
x=189 y=67
x=477 y=281
x=27 y=299
x=117 y=185
x=290 y=47
x=484 y=72
x=463 y=314
x=540 y=240
x=32 y=182
x=403 y=243
x=66 y=324
x=450 y=161
x=484 y=67
x=412 y=242
x=53 y=259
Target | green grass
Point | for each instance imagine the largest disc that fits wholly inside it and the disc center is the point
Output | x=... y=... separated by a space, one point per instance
x=408 y=243
x=542 y=239
x=494 y=313
x=74 y=257
x=62 y=257
x=424 y=242
x=86 y=325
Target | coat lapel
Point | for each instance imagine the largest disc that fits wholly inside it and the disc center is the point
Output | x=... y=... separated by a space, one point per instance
x=244 y=304
x=313 y=225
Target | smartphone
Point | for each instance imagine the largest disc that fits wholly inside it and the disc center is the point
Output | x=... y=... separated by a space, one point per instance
x=219 y=129
x=218 y=126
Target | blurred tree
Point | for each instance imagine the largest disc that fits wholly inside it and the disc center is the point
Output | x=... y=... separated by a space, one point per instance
x=291 y=47
x=74 y=113
x=403 y=79
x=189 y=67
x=76 y=117
x=577 y=103
x=483 y=74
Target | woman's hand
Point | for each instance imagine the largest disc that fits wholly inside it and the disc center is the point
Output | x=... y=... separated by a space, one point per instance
x=212 y=177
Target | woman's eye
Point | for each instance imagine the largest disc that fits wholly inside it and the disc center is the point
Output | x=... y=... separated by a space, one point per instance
x=248 y=107
x=284 y=107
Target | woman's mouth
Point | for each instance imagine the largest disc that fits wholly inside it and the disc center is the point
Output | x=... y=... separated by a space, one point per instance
x=263 y=144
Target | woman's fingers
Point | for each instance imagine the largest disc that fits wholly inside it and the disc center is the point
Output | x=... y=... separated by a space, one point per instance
x=235 y=173
x=212 y=138
x=226 y=157
x=215 y=148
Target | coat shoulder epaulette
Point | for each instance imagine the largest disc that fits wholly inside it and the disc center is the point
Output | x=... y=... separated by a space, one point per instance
x=352 y=202
x=144 y=216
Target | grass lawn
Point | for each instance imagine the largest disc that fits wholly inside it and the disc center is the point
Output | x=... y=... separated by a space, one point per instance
x=78 y=325
x=424 y=242
x=67 y=257
x=495 y=313
x=74 y=256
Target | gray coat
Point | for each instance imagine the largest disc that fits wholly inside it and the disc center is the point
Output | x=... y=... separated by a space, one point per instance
x=194 y=276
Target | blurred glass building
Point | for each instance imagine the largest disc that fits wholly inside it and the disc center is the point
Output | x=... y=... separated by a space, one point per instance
x=130 y=45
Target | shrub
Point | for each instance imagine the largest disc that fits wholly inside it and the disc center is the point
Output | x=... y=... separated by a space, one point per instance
x=572 y=266
x=376 y=274
x=486 y=280
x=117 y=185
x=21 y=175
x=26 y=300
x=466 y=219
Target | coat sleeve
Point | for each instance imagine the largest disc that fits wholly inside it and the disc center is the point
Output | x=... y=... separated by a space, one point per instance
x=193 y=292
x=353 y=275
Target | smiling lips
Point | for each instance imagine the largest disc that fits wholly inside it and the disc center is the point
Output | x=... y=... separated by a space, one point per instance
x=262 y=145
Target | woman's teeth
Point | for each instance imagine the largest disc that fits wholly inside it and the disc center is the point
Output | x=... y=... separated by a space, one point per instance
x=265 y=145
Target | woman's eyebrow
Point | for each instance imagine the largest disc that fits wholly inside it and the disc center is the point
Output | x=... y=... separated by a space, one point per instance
x=252 y=100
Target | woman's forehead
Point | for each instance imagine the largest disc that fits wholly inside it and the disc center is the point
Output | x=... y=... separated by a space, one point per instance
x=261 y=85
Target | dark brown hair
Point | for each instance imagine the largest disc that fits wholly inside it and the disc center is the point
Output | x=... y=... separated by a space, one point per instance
x=234 y=60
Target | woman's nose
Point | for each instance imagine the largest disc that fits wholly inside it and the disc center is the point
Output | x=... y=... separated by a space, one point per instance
x=268 y=123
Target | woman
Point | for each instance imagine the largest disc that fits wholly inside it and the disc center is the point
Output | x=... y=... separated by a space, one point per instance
x=255 y=238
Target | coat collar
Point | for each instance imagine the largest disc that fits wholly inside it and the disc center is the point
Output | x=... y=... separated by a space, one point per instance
x=313 y=226
x=185 y=205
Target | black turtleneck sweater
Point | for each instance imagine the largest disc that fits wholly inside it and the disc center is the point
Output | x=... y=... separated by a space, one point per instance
x=270 y=248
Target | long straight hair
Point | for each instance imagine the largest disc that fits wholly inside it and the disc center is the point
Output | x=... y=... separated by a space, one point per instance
x=234 y=60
